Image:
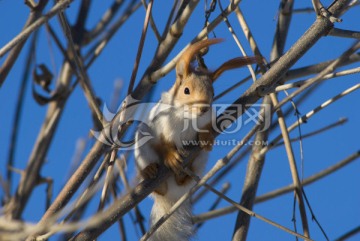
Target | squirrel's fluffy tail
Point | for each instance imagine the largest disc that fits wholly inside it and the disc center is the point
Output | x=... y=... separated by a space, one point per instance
x=178 y=227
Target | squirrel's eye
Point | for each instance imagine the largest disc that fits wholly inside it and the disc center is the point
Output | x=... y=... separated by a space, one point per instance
x=186 y=91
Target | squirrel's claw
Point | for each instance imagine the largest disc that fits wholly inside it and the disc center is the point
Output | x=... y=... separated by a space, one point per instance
x=174 y=161
x=150 y=171
x=183 y=152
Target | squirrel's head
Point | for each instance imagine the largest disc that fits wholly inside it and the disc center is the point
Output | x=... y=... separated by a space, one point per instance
x=193 y=88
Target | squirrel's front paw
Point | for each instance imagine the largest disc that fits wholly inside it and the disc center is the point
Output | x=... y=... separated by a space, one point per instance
x=206 y=140
x=151 y=171
x=173 y=160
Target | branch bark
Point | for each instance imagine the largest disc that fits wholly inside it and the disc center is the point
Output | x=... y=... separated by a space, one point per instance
x=34 y=26
x=35 y=13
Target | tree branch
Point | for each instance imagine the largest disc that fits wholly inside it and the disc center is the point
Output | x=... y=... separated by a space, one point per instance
x=10 y=60
x=61 y=5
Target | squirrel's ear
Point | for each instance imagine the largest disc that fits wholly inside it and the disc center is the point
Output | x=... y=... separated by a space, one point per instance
x=233 y=64
x=183 y=65
x=180 y=68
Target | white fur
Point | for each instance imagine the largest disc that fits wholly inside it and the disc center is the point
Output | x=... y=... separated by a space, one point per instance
x=168 y=120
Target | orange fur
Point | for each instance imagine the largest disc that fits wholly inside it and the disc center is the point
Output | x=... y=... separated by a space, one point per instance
x=233 y=64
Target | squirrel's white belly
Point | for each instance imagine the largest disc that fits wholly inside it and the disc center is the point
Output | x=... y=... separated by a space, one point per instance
x=175 y=129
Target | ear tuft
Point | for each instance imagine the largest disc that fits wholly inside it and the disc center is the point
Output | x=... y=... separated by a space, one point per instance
x=235 y=63
x=180 y=68
x=183 y=64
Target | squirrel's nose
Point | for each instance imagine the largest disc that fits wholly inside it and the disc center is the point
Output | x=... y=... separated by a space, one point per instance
x=204 y=109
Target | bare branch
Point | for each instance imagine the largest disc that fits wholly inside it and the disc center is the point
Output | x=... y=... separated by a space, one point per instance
x=251 y=213
x=18 y=112
x=320 y=76
x=105 y=21
x=61 y=5
x=255 y=164
x=294 y=172
x=108 y=180
x=97 y=49
x=152 y=22
x=344 y=33
x=237 y=41
x=35 y=13
x=141 y=45
x=307 y=116
x=323 y=129
x=349 y=234
x=83 y=77
x=224 y=189
x=290 y=188
x=273 y=76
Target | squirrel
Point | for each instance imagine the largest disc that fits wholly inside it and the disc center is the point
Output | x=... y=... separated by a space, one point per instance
x=183 y=115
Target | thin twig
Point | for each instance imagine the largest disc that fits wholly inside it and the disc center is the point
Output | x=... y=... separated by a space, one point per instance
x=313 y=217
x=317 y=6
x=49 y=189
x=84 y=78
x=90 y=190
x=18 y=110
x=344 y=33
x=120 y=221
x=300 y=83
x=248 y=211
x=170 y=17
x=97 y=49
x=307 y=116
x=316 y=68
x=108 y=179
x=293 y=168
x=248 y=34
x=104 y=22
x=281 y=191
x=233 y=87
x=120 y=163
x=323 y=129
x=320 y=76
x=152 y=22
x=60 y=46
x=304 y=10
x=225 y=187
x=277 y=50
x=237 y=41
x=75 y=210
x=35 y=13
x=61 y=5
x=349 y=234
x=229 y=167
x=140 y=47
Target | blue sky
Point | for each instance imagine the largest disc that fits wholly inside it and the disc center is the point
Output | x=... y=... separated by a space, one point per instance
x=334 y=199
